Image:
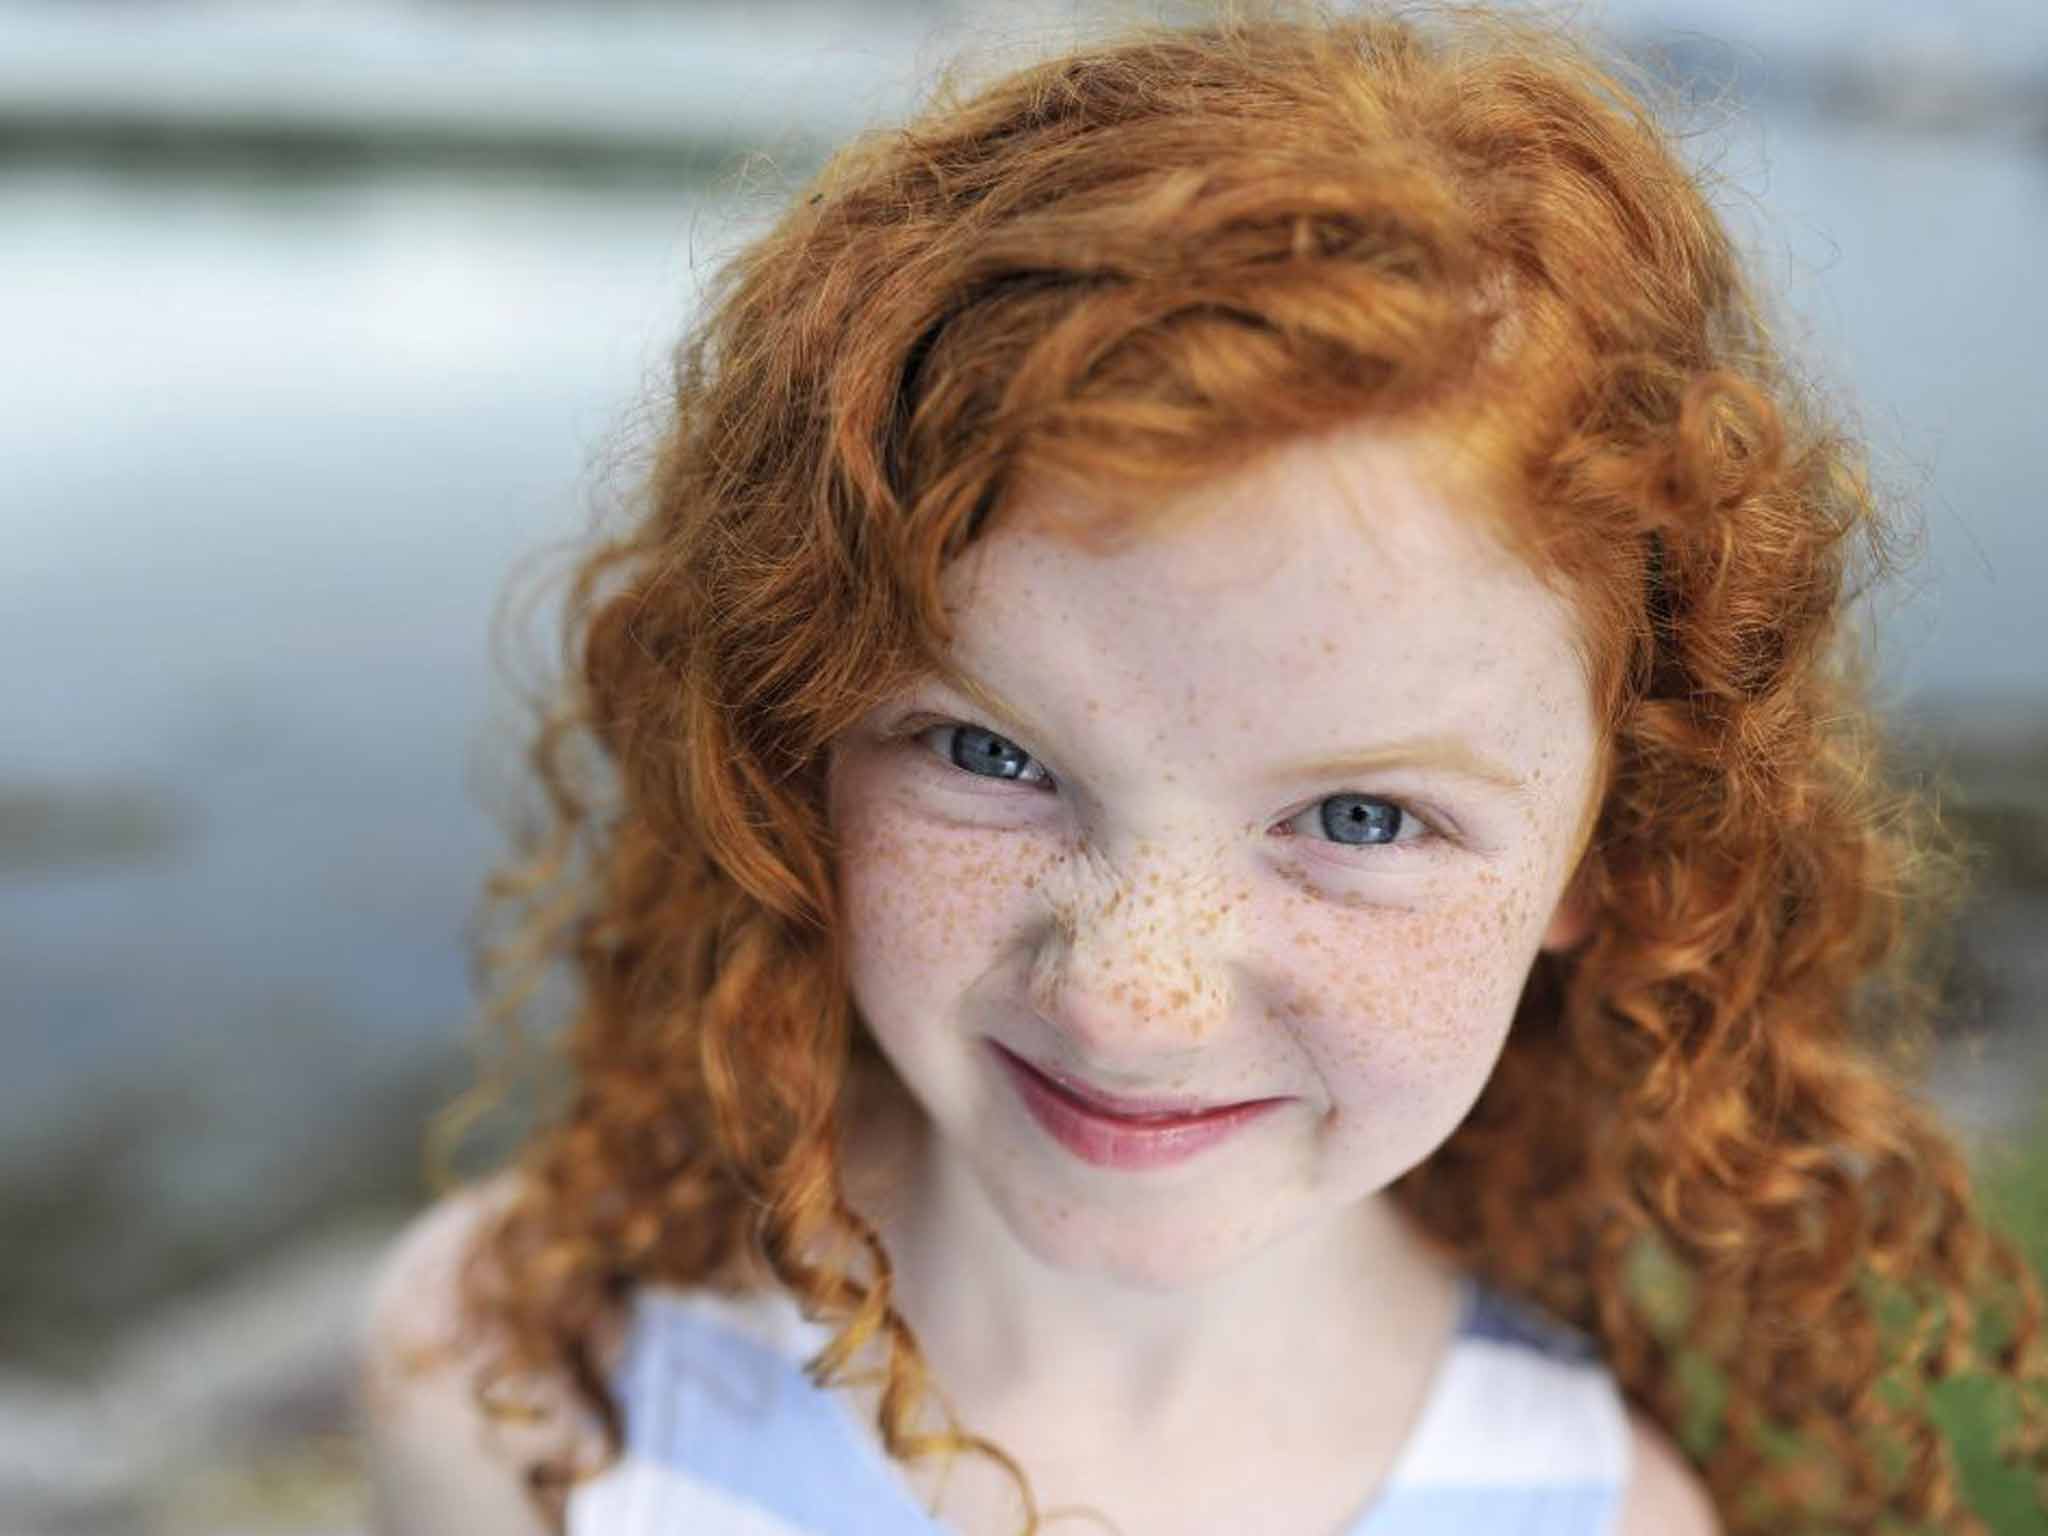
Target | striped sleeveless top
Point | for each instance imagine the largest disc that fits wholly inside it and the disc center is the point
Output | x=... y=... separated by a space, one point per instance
x=1522 y=1433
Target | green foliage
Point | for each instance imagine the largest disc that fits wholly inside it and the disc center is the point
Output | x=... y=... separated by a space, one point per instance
x=2014 y=1180
x=1975 y=1412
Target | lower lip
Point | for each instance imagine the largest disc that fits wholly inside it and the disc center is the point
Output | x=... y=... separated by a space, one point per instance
x=1117 y=1141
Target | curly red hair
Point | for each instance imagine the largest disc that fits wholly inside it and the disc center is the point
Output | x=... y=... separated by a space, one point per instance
x=1140 y=263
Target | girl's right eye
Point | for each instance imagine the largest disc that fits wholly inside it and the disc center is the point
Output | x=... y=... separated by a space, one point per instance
x=985 y=754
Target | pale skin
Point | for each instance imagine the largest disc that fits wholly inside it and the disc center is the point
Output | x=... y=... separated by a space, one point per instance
x=1154 y=905
x=1154 y=874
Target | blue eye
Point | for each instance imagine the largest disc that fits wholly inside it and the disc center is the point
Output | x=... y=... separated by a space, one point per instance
x=1352 y=820
x=989 y=756
x=1348 y=820
x=1361 y=821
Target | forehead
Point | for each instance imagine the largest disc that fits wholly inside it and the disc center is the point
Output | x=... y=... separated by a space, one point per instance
x=1335 y=572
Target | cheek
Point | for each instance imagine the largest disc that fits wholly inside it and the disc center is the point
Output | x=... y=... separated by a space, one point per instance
x=927 y=908
x=1410 y=1008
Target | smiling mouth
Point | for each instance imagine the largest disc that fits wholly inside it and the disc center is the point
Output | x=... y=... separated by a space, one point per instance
x=1149 y=1111
x=1110 y=1135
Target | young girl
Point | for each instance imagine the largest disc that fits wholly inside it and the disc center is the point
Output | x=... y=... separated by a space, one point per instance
x=1240 y=882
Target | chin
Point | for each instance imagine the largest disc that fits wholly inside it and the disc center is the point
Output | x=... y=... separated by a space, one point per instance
x=1159 y=1246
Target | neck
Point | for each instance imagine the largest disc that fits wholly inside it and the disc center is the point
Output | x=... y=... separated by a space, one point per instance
x=1304 y=1329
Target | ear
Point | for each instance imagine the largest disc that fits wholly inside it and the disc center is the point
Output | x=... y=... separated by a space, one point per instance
x=1572 y=921
x=1571 y=924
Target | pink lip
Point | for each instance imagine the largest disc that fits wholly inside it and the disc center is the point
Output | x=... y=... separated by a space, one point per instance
x=1112 y=1133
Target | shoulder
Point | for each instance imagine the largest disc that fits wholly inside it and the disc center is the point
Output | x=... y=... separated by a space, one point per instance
x=437 y=1462
x=1665 y=1496
x=412 y=1299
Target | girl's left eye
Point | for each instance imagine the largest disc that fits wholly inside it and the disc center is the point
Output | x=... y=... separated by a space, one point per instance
x=1353 y=820
x=1348 y=820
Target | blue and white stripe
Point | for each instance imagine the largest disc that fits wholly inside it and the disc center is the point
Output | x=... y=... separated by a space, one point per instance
x=1523 y=1433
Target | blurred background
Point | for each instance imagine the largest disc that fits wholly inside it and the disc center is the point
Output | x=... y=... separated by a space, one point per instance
x=319 y=318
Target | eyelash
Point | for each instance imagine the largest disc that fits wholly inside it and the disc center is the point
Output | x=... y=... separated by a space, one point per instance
x=1427 y=837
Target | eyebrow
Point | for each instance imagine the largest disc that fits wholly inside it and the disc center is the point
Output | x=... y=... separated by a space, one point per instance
x=1438 y=752
x=998 y=708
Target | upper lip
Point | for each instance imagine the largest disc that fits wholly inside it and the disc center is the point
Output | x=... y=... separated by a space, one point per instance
x=1118 y=1104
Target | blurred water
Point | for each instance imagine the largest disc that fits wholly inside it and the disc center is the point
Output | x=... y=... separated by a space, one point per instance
x=274 y=458
x=271 y=448
x=1911 y=269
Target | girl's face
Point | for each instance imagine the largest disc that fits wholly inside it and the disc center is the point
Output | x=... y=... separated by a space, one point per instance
x=1284 y=803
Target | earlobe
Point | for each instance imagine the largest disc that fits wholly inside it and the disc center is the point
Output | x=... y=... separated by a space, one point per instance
x=1572 y=922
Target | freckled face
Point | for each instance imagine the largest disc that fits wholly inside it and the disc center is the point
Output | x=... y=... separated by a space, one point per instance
x=1164 y=870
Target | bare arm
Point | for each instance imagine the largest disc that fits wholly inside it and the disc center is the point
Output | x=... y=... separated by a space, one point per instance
x=1665 y=1496
x=437 y=1464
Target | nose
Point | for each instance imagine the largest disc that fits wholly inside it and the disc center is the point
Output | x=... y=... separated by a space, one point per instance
x=1135 y=975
